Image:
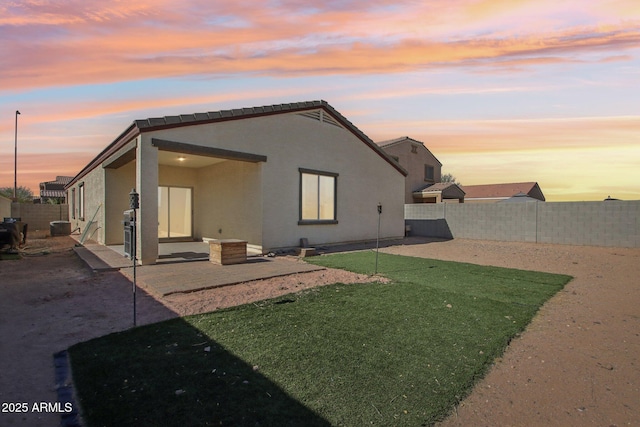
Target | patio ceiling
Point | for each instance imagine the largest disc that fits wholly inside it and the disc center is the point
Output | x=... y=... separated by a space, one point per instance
x=195 y=156
x=186 y=160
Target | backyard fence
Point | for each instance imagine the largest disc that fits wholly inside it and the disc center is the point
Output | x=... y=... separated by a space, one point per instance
x=608 y=223
x=38 y=216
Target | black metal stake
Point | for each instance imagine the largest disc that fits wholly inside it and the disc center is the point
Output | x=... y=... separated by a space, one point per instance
x=134 y=203
x=378 y=235
x=133 y=255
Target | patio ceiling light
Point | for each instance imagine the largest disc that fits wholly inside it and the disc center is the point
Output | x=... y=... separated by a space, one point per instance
x=182 y=159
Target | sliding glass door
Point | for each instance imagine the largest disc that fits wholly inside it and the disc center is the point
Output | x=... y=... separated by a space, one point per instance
x=174 y=212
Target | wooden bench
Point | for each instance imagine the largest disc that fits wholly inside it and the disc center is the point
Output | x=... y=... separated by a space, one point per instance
x=227 y=251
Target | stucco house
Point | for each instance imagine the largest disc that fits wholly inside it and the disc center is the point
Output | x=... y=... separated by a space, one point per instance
x=423 y=168
x=269 y=175
x=492 y=193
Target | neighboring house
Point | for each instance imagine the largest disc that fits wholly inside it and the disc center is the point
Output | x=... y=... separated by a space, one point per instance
x=269 y=175
x=53 y=191
x=492 y=193
x=422 y=166
x=439 y=192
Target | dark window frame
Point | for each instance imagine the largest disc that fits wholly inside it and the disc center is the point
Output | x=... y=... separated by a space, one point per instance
x=318 y=221
x=427 y=169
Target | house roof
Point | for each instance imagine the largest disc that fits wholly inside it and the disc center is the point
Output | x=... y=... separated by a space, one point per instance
x=449 y=190
x=55 y=188
x=53 y=193
x=503 y=191
x=518 y=198
x=170 y=122
x=397 y=141
x=438 y=186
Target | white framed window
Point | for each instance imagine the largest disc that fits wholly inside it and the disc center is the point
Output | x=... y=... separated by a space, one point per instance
x=73 y=203
x=318 y=197
x=81 y=201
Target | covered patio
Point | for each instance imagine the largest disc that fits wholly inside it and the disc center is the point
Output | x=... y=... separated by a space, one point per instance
x=200 y=193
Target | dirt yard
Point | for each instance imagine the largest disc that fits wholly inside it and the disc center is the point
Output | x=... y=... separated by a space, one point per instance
x=576 y=365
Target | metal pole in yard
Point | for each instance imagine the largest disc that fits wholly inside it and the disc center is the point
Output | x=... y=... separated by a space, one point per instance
x=134 y=275
x=378 y=235
x=134 y=203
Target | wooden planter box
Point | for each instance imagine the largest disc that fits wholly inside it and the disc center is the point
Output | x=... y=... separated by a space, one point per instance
x=227 y=251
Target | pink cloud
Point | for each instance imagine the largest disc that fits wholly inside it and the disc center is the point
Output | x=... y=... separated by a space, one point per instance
x=492 y=136
x=36 y=168
x=93 y=43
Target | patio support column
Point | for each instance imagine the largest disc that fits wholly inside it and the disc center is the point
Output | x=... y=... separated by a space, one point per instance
x=147 y=187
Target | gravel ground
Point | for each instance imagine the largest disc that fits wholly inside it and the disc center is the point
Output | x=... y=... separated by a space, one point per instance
x=577 y=363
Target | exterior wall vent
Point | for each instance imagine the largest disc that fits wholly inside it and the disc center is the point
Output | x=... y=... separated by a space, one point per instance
x=321 y=116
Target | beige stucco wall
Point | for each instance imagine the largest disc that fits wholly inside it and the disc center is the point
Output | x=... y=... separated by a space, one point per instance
x=94 y=193
x=414 y=164
x=147 y=181
x=228 y=201
x=5 y=207
x=290 y=142
x=119 y=183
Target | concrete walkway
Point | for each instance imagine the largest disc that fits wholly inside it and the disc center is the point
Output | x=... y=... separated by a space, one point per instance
x=189 y=276
x=180 y=277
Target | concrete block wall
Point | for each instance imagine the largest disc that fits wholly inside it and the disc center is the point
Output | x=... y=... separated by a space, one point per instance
x=610 y=223
x=38 y=216
x=509 y=222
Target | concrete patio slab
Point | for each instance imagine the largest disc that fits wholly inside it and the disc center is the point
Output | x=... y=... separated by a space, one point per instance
x=189 y=274
x=181 y=277
x=101 y=258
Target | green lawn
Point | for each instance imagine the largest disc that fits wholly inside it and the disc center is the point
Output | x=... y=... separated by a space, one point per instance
x=402 y=353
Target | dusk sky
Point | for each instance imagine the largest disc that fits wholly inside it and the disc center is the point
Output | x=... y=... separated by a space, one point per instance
x=498 y=90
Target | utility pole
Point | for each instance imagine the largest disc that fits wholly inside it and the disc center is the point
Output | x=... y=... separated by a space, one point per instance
x=15 y=162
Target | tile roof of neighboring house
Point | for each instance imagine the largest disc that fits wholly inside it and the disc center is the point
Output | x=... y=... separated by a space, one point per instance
x=447 y=189
x=53 y=193
x=502 y=191
x=519 y=198
x=168 y=122
x=438 y=186
x=55 y=188
x=390 y=142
